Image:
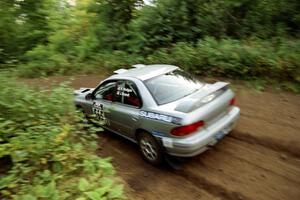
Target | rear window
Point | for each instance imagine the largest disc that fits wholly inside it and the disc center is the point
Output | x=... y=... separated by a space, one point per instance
x=172 y=86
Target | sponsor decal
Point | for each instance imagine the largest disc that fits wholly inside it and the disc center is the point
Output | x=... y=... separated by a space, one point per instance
x=123 y=91
x=160 y=117
x=159 y=134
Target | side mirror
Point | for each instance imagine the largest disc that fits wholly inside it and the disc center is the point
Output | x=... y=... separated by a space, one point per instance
x=89 y=96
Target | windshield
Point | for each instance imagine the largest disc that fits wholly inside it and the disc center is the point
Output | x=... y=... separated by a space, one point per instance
x=172 y=86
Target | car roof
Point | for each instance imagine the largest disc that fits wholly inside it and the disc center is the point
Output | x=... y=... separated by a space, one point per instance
x=146 y=72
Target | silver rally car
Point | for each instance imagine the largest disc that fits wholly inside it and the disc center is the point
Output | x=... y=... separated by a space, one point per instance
x=163 y=109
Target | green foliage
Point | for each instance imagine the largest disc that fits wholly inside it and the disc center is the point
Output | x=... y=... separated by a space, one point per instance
x=248 y=60
x=169 y=21
x=117 y=59
x=43 y=61
x=23 y=25
x=8 y=32
x=52 y=153
x=248 y=39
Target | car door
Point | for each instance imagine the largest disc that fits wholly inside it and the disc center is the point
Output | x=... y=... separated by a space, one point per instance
x=102 y=102
x=125 y=108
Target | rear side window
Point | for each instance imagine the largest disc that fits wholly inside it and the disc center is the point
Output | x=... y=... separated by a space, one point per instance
x=127 y=93
x=172 y=86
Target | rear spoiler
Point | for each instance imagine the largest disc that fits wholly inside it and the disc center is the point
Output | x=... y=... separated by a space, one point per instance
x=138 y=65
x=120 y=71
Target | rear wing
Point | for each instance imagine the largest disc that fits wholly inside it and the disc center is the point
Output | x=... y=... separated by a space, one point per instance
x=120 y=71
x=138 y=65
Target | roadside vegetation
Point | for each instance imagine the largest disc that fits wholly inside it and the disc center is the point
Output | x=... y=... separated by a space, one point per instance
x=240 y=39
x=45 y=152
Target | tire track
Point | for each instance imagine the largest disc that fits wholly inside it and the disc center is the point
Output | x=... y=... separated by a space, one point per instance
x=276 y=122
x=273 y=163
x=265 y=142
x=144 y=180
x=212 y=188
x=141 y=185
x=234 y=171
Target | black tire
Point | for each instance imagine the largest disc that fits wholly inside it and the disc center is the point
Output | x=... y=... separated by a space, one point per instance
x=150 y=148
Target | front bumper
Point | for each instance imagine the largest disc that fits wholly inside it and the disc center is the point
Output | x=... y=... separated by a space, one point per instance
x=202 y=140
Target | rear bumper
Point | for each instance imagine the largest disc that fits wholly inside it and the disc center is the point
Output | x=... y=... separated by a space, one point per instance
x=205 y=138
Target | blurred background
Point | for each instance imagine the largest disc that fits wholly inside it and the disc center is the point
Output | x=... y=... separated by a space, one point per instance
x=243 y=39
x=46 y=152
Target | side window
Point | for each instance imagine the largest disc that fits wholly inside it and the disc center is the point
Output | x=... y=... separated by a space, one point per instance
x=106 y=91
x=127 y=93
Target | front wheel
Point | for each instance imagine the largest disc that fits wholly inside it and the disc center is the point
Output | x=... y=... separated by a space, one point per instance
x=150 y=148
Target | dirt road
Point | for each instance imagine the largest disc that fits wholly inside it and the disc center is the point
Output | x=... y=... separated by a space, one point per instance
x=259 y=160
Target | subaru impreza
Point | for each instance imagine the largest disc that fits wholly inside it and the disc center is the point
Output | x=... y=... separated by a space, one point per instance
x=163 y=109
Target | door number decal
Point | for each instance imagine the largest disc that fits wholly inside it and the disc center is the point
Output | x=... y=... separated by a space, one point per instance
x=98 y=110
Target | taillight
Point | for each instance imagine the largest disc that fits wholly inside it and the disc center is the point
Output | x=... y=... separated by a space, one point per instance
x=232 y=101
x=188 y=129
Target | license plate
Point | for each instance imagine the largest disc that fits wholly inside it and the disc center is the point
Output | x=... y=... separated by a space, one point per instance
x=219 y=135
x=223 y=132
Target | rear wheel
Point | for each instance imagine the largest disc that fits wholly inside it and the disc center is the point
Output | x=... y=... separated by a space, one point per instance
x=150 y=148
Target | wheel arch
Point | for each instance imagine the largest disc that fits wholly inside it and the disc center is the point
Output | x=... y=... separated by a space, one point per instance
x=78 y=106
x=139 y=131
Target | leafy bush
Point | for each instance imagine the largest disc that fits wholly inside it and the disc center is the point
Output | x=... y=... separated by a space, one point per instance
x=43 y=61
x=238 y=38
x=52 y=154
x=248 y=60
x=277 y=59
x=117 y=59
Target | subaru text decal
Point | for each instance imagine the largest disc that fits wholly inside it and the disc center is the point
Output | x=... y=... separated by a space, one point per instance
x=160 y=117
